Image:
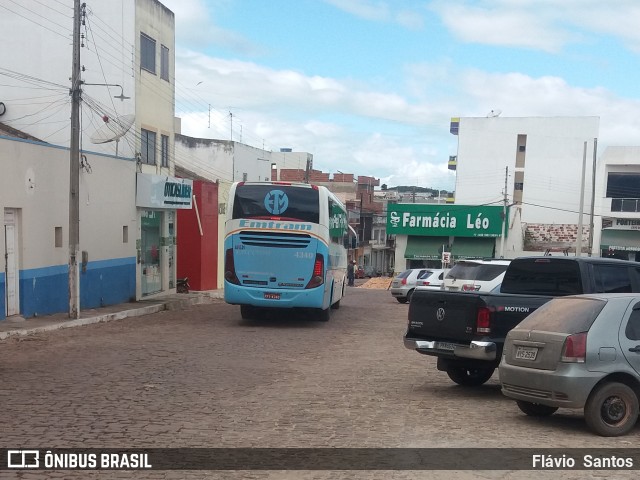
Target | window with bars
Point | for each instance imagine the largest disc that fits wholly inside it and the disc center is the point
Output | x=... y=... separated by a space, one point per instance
x=164 y=63
x=147 y=53
x=148 y=146
x=164 y=150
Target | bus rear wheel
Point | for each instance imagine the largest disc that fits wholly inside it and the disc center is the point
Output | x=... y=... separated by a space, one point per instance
x=324 y=315
x=248 y=312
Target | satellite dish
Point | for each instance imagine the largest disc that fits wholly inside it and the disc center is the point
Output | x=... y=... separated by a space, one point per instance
x=112 y=129
x=494 y=113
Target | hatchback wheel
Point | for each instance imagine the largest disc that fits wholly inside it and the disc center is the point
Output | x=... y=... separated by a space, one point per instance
x=612 y=409
x=402 y=299
x=536 y=409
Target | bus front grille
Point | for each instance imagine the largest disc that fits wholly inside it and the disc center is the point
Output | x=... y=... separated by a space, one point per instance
x=274 y=239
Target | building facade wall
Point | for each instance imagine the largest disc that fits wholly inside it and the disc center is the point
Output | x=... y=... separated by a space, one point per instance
x=619 y=160
x=198 y=238
x=36 y=187
x=553 y=153
x=46 y=54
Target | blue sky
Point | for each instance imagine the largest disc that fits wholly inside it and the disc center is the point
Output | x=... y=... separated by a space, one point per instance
x=369 y=86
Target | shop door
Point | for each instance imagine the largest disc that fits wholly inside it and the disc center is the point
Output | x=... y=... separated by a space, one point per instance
x=171 y=249
x=151 y=281
x=12 y=288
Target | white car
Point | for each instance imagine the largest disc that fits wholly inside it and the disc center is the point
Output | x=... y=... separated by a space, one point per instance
x=404 y=283
x=432 y=279
x=475 y=275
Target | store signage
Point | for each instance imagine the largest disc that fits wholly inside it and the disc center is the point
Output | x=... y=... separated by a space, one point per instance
x=441 y=220
x=626 y=224
x=162 y=191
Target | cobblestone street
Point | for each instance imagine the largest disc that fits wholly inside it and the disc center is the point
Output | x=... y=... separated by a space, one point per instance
x=202 y=377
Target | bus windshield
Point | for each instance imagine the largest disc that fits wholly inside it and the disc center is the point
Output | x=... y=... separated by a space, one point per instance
x=283 y=202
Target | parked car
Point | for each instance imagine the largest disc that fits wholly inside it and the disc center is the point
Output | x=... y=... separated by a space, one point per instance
x=403 y=285
x=580 y=351
x=475 y=275
x=369 y=271
x=430 y=280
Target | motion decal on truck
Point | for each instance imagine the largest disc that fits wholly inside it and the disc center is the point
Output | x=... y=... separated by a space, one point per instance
x=507 y=308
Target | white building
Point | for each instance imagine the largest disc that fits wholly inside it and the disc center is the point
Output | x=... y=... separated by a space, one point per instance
x=617 y=222
x=536 y=164
x=127 y=57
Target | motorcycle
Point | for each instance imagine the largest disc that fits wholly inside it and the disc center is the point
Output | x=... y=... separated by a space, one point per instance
x=182 y=285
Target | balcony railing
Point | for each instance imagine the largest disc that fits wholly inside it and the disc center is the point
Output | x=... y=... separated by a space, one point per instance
x=625 y=204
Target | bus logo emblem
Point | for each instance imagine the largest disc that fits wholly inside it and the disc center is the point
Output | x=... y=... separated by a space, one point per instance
x=276 y=202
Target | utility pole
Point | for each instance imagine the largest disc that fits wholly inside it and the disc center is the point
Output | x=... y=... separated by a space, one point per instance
x=504 y=212
x=74 y=169
x=593 y=195
x=579 y=233
x=231 y=118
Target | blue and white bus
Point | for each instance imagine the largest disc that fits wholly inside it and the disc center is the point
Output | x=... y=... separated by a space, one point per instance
x=284 y=248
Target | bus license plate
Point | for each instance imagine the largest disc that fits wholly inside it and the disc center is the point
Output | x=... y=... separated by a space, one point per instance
x=445 y=346
x=526 y=353
x=271 y=296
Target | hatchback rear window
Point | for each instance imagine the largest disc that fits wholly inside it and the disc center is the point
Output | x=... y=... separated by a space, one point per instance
x=476 y=271
x=463 y=270
x=564 y=315
x=404 y=274
x=425 y=274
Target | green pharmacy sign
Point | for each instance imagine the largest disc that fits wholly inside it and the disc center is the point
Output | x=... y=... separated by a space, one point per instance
x=442 y=220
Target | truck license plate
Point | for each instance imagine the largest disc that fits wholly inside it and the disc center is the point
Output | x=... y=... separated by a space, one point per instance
x=445 y=346
x=526 y=353
x=271 y=296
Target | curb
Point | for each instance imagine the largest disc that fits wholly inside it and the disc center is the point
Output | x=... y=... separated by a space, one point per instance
x=169 y=304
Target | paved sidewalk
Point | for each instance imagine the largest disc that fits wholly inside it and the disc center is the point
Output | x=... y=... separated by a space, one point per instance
x=17 y=325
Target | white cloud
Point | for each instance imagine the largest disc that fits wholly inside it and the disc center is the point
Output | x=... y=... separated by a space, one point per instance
x=380 y=11
x=400 y=139
x=196 y=26
x=547 y=25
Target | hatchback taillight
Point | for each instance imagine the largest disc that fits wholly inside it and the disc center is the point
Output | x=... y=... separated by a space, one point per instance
x=483 y=320
x=404 y=281
x=470 y=287
x=575 y=348
x=317 y=277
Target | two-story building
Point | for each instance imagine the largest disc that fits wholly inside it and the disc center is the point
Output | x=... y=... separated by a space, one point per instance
x=128 y=194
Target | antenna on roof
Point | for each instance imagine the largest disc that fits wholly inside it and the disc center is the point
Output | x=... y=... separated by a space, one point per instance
x=112 y=129
x=494 y=113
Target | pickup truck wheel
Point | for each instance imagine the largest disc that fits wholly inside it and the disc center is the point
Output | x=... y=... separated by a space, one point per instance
x=535 y=409
x=612 y=409
x=469 y=377
x=402 y=299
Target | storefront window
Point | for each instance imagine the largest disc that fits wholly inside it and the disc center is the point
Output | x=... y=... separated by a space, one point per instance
x=150 y=246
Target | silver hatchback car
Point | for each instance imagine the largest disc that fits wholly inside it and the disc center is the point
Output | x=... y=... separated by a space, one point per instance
x=579 y=351
x=403 y=285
